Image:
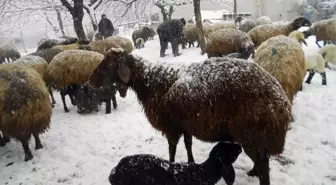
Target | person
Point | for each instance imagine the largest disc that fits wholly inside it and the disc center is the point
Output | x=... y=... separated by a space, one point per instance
x=105 y=27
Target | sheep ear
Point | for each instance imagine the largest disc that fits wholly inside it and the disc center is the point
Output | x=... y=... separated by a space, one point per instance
x=124 y=73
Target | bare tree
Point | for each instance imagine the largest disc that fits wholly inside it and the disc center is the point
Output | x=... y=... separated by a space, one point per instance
x=316 y=9
x=199 y=26
x=167 y=7
x=90 y=9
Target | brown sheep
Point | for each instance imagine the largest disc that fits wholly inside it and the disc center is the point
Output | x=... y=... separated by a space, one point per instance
x=261 y=33
x=211 y=100
x=324 y=30
x=24 y=104
x=226 y=41
x=284 y=59
x=246 y=25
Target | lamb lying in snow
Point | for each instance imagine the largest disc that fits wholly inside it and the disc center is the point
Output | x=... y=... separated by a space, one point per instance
x=147 y=169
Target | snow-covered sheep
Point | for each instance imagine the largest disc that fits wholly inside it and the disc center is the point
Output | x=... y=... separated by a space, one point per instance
x=72 y=46
x=245 y=25
x=284 y=59
x=170 y=31
x=139 y=43
x=298 y=36
x=226 y=41
x=315 y=62
x=24 y=104
x=263 y=20
x=143 y=33
x=193 y=100
x=324 y=30
x=49 y=43
x=261 y=33
x=138 y=169
x=191 y=34
x=123 y=42
x=102 y=46
x=9 y=53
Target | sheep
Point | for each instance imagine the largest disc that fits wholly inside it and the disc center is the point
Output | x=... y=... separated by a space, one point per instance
x=261 y=33
x=8 y=52
x=298 y=36
x=148 y=169
x=25 y=106
x=315 y=62
x=72 y=46
x=324 y=30
x=49 y=43
x=143 y=33
x=102 y=46
x=47 y=54
x=170 y=31
x=88 y=98
x=210 y=100
x=263 y=20
x=246 y=25
x=40 y=65
x=72 y=67
x=152 y=34
x=140 y=43
x=329 y=54
x=191 y=33
x=210 y=28
x=226 y=41
x=123 y=42
x=284 y=59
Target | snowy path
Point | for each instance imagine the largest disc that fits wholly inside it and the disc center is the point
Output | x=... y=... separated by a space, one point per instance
x=82 y=149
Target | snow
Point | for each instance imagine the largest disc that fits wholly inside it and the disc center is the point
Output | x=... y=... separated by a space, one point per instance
x=83 y=149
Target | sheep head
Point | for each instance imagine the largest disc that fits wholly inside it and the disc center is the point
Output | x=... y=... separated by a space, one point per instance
x=114 y=68
x=146 y=30
x=299 y=22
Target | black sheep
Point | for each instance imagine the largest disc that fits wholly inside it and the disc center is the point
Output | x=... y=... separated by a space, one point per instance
x=146 y=169
x=71 y=91
x=170 y=31
x=143 y=33
x=88 y=98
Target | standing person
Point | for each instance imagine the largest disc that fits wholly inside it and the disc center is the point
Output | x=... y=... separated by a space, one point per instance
x=105 y=27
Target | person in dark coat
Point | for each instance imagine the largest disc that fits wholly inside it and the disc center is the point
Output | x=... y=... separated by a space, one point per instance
x=105 y=27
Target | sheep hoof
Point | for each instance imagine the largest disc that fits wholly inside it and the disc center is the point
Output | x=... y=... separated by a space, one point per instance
x=307 y=82
x=39 y=146
x=115 y=106
x=28 y=157
x=162 y=55
x=66 y=110
x=177 y=54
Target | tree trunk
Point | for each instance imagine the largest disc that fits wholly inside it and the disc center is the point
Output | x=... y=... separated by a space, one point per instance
x=60 y=21
x=235 y=10
x=23 y=43
x=199 y=26
x=77 y=15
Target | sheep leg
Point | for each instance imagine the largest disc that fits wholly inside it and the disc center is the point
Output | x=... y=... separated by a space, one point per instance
x=25 y=145
x=173 y=140
x=310 y=77
x=261 y=166
x=324 y=78
x=164 y=46
x=72 y=99
x=38 y=144
x=63 y=100
x=327 y=65
x=52 y=96
x=198 y=44
x=4 y=140
x=318 y=44
x=188 y=146
x=174 y=44
x=114 y=100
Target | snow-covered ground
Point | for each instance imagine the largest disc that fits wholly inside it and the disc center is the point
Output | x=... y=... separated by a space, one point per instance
x=82 y=149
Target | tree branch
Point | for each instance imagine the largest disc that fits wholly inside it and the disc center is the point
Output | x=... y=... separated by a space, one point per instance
x=67 y=5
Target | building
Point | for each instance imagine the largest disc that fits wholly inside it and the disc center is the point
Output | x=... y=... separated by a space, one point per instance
x=220 y=15
x=275 y=9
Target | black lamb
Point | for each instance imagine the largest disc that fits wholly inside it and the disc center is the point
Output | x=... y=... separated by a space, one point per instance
x=170 y=31
x=146 y=169
x=89 y=99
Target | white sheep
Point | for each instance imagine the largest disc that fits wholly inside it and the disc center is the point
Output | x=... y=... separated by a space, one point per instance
x=315 y=62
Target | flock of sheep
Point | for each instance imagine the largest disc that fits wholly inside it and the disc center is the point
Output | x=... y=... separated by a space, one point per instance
x=210 y=100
